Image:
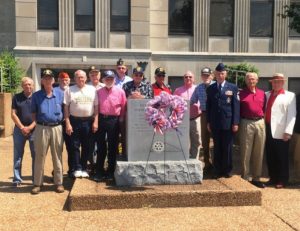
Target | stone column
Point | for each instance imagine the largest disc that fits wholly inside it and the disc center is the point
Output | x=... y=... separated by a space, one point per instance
x=66 y=23
x=201 y=25
x=281 y=29
x=241 y=26
x=140 y=24
x=102 y=23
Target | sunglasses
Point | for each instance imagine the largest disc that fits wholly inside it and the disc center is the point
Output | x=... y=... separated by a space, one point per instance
x=188 y=77
x=160 y=76
x=121 y=68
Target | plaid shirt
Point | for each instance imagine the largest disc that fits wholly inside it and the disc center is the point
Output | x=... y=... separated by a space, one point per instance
x=200 y=95
x=144 y=88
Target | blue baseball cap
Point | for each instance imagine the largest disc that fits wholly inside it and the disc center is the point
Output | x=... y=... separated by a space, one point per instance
x=109 y=74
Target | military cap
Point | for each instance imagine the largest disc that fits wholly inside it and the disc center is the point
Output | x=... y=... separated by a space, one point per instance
x=138 y=70
x=109 y=74
x=220 y=67
x=160 y=71
x=206 y=71
x=93 y=69
x=47 y=72
x=120 y=62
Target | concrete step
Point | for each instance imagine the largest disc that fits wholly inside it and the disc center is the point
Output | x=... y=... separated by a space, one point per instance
x=89 y=195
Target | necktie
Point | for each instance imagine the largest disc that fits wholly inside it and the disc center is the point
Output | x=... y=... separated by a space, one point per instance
x=220 y=87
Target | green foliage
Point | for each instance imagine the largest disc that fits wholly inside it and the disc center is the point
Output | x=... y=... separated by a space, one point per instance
x=293 y=12
x=10 y=72
x=236 y=73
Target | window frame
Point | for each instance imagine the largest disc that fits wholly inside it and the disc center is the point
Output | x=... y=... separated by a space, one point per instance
x=94 y=18
x=189 y=33
x=272 y=21
x=129 y=19
x=231 y=34
x=39 y=27
x=295 y=33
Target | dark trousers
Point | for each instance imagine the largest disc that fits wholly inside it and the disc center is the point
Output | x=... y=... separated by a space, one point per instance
x=67 y=140
x=223 y=140
x=80 y=138
x=277 y=153
x=107 y=127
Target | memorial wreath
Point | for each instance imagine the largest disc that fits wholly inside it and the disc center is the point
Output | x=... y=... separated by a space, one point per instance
x=165 y=112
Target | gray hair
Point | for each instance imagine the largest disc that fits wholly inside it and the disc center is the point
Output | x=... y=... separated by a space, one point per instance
x=26 y=79
x=248 y=74
x=79 y=72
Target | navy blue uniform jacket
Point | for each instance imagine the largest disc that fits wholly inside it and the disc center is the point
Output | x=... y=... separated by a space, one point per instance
x=223 y=108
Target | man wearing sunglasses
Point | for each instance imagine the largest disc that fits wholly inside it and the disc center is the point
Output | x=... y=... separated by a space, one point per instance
x=137 y=88
x=186 y=91
x=159 y=84
x=121 y=77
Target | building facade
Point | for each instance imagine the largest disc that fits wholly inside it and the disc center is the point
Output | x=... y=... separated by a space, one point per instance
x=177 y=35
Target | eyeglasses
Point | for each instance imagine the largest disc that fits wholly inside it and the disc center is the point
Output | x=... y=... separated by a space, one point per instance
x=120 y=68
x=188 y=77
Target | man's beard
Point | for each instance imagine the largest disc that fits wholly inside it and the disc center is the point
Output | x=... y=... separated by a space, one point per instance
x=109 y=85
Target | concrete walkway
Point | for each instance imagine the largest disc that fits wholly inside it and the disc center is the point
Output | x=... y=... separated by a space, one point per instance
x=19 y=210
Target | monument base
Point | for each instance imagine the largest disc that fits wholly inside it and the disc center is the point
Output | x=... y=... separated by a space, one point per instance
x=138 y=173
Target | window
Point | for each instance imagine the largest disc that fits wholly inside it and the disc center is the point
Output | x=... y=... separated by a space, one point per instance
x=261 y=18
x=294 y=85
x=293 y=32
x=47 y=14
x=175 y=82
x=120 y=15
x=84 y=15
x=264 y=83
x=221 y=18
x=181 y=17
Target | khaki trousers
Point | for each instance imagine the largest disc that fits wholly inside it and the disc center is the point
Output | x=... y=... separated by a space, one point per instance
x=195 y=137
x=205 y=140
x=46 y=136
x=252 y=143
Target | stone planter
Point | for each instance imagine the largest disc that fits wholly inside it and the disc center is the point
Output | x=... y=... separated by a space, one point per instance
x=6 y=123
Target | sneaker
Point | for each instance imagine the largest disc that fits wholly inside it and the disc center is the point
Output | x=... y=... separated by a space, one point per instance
x=77 y=174
x=17 y=184
x=84 y=174
x=36 y=190
x=98 y=177
x=279 y=185
x=60 y=189
x=258 y=184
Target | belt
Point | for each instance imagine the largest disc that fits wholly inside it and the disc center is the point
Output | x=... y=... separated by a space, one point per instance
x=82 y=118
x=49 y=124
x=195 y=118
x=108 y=116
x=253 y=118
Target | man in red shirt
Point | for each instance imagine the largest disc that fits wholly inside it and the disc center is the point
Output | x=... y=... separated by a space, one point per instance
x=159 y=84
x=252 y=129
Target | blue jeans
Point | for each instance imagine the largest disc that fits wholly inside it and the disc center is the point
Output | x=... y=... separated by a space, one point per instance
x=19 y=144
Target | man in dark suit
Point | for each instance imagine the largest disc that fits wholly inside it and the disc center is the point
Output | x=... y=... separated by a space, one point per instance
x=223 y=109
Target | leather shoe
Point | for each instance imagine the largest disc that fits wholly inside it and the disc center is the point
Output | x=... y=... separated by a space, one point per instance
x=279 y=185
x=36 y=190
x=228 y=175
x=270 y=182
x=60 y=189
x=258 y=184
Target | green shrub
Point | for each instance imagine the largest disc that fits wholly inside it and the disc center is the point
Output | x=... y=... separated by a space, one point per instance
x=236 y=73
x=10 y=72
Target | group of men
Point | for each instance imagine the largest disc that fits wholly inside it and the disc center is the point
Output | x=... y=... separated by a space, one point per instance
x=90 y=117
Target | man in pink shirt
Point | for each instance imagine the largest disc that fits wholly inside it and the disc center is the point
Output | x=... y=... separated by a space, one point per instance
x=112 y=102
x=186 y=91
x=252 y=129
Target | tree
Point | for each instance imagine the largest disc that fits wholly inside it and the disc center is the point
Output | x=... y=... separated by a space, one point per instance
x=10 y=72
x=293 y=12
x=236 y=73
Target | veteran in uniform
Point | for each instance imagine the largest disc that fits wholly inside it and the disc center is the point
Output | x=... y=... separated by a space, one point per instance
x=223 y=117
x=81 y=115
x=47 y=112
x=159 y=84
x=121 y=77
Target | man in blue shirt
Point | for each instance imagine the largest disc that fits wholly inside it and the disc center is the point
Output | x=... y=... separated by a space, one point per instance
x=47 y=112
x=200 y=95
x=24 y=126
